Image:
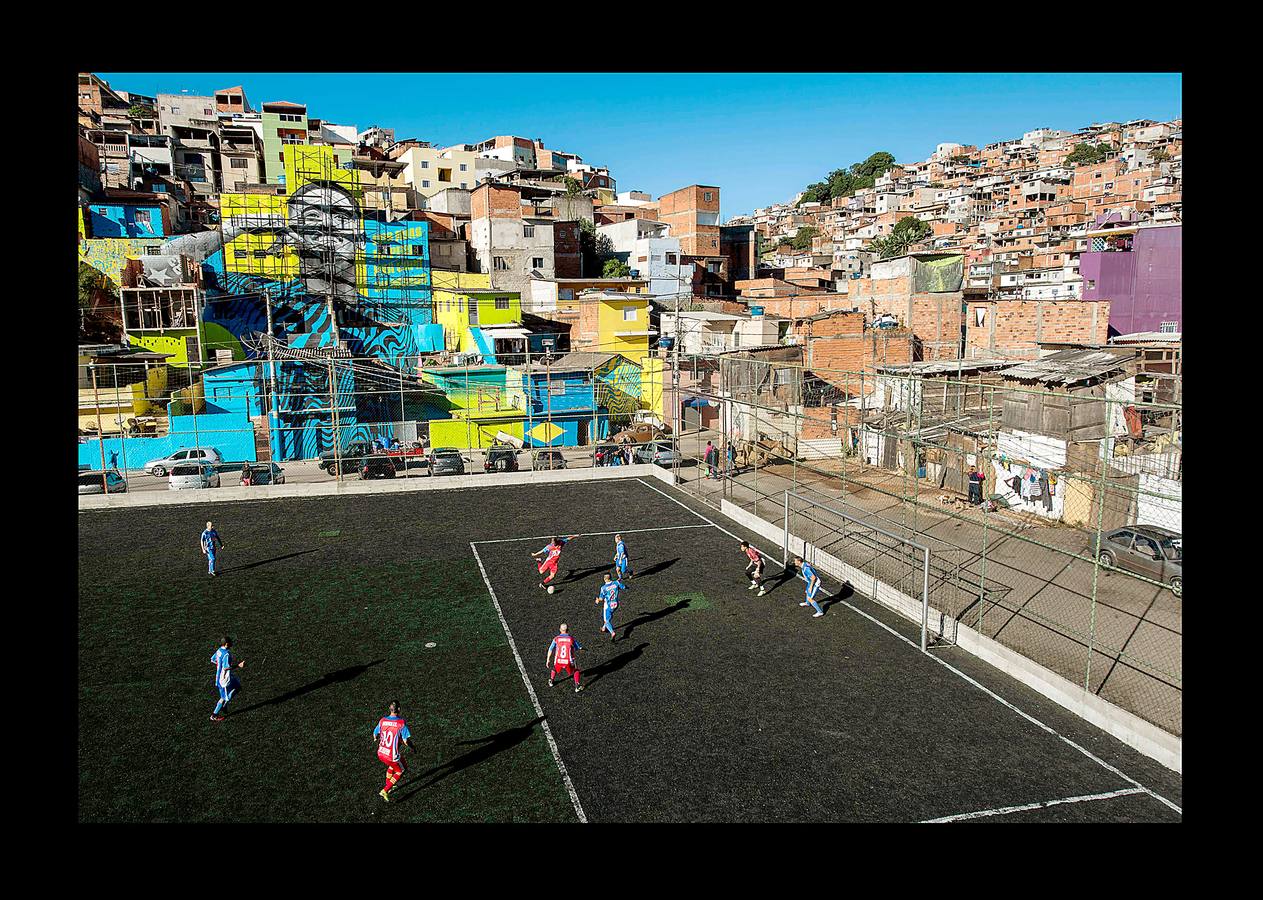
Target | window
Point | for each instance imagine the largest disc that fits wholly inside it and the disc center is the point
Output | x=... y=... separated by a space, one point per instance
x=707 y=197
x=537 y=262
x=1169 y=327
x=425 y=164
x=498 y=263
x=142 y=217
x=502 y=302
x=463 y=186
x=528 y=231
x=464 y=168
x=175 y=110
x=629 y=314
x=238 y=162
x=445 y=175
x=672 y=259
x=425 y=183
x=418 y=250
x=153 y=251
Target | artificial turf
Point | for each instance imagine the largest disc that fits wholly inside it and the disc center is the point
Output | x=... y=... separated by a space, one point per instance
x=715 y=705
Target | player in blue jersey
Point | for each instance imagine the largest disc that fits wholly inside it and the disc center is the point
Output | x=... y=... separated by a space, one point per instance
x=622 y=565
x=608 y=595
x=808 y=574
x=210 y=544
x=225 y=681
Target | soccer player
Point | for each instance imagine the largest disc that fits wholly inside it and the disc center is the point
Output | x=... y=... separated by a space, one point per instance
x=808 y=574
x=210 y=543
x=552 y=555
x=622 y=565
x=390 y=732
x=565 y=646
x=225 y=681
x=754 y=571
x=609 y=596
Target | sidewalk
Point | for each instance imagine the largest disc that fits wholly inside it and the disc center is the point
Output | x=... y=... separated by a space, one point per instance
x=1038 y=601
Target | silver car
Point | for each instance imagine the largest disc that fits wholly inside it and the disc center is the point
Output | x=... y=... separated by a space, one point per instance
x=659 y=453
x=191 y=476
x=160 y=467
x=90 y=482
x=1148 y=550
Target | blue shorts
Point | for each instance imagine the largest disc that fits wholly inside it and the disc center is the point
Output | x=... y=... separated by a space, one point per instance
x=812 y=591
x=621 y=565
x=226 y=693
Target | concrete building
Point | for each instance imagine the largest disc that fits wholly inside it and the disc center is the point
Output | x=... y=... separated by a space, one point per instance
x=194 y=123
x=240 y=157
x=1140 y=271
x=702 y=333
x=648 y=251
x=517 y=150
x=283 y=123
x=232 y=101
x=429 y=170
x=512 y=249
x=692 y=214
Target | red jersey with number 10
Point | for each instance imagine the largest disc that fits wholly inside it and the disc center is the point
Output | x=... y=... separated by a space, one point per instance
x=390 y=731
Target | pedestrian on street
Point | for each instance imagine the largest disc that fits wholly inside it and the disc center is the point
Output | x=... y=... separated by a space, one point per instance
x=976 y=479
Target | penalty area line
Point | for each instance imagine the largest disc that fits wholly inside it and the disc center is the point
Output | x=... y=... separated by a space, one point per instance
x=1025 y=715
x=539 y=710
x=1005 y=810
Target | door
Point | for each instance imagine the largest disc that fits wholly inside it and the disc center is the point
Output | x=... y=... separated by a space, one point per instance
x=473 y=312
x=1143 y=557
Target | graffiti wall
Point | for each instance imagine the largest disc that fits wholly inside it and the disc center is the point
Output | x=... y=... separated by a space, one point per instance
x=109 y=256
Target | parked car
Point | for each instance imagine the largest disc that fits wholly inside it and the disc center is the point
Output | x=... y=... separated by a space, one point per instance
x=263 y=473
x=1147 y=550
x=352 y=458
x=660 y=453
x=90 y=482
x=196 y=475
x=500 y=458
x=548 y=459
x=378 y=466
x=160 y=467
x=447 y=461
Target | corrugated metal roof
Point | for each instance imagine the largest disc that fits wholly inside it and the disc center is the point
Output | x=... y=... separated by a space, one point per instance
x=1071 y=366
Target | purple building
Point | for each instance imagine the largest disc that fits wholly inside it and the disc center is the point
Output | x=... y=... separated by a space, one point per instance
x=1139 y=270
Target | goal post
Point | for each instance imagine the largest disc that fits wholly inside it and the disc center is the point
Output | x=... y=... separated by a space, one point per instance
x=886 y=567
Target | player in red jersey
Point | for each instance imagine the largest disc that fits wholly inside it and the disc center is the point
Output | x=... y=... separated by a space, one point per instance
x=552 y=555
x=754 y=571
x=565 y=646
x=390 y=732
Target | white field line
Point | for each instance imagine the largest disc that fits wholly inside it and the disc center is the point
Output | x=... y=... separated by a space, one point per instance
x=1005 y=810
x=539 y=710
x=1096 y=759
x=549 y=537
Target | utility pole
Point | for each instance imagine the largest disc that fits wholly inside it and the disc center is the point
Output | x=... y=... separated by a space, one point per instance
x=275 y=437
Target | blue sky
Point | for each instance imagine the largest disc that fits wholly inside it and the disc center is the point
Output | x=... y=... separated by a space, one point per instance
x=759 y=137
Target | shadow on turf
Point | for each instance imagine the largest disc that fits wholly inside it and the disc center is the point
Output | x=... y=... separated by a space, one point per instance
x=771 y=584
x=646 y=618
x=264 y=562
x=655 y=568
x=580 y=574
x=350 y=673
x=484 y=749
x=612 y=665
x=843 y=592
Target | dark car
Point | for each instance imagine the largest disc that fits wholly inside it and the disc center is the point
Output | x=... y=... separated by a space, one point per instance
x=446 y=461
x=548 y=459
x=500 y=458
x=378 y=466
x=263 y=473
x=351 y=458
x=1148 y=550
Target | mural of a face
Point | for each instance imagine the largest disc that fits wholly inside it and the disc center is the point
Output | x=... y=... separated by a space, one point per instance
x=324 y=226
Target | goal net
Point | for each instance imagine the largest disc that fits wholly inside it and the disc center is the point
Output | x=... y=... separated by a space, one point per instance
x=876 y=561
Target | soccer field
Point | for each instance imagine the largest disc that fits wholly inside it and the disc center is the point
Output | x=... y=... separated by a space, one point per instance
x=714 y=705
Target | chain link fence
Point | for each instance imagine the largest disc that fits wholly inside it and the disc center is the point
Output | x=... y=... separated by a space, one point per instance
x=1052 y=508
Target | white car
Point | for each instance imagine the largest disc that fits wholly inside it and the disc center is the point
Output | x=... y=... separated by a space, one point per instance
x=160 y=467
x=191 y=476
x=90 y=482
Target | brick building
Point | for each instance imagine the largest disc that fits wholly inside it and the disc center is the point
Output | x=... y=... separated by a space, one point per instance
x=692 y=213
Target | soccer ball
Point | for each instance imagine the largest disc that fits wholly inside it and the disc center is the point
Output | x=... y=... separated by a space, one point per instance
x=550 y=589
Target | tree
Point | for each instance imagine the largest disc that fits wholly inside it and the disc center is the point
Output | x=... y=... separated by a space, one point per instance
x=907 y=231
x=615 y=268
x=94 y=290
x=594 y=248
x=1160 y=155
x=572 y=186
x=802 y=240
x=1088 y=154
x=878 y=164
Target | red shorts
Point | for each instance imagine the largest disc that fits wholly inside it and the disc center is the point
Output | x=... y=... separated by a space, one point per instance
x=564 y=669
x=548 y=566
x=397 y=765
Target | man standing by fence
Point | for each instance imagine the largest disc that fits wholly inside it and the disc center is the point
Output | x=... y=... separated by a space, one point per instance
x=976 y=479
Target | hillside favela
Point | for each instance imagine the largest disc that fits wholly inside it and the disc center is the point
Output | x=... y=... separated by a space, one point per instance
x=964 y=364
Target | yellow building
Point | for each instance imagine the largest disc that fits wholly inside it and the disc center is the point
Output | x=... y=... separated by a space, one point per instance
x=473 y=319
x=614 y=322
